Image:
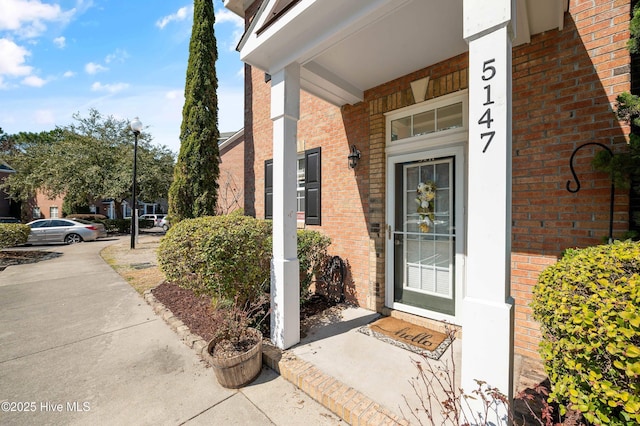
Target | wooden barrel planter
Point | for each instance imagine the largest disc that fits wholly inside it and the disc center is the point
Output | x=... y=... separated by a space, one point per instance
x=240 y=370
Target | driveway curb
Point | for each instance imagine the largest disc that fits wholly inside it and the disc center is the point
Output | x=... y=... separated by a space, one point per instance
x=344 y=401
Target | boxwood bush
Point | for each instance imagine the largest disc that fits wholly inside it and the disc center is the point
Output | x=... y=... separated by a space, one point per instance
x=588 y=308
x=222 y=256
x=230 y=255
x=13 y=234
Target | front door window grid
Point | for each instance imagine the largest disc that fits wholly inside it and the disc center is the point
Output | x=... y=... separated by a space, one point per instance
x=429 y=255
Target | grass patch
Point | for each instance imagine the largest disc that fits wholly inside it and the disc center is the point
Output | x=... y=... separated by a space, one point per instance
x=126 y=262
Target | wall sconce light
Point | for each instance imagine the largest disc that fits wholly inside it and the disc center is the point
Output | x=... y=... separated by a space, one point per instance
x=353 y=157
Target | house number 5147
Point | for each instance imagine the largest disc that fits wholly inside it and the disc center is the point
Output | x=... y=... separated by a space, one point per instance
x=488 y=72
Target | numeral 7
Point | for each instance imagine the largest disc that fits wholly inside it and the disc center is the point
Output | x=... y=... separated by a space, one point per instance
x=490 y=135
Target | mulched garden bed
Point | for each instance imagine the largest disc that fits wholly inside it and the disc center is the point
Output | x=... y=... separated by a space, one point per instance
x=20 y=257
x=195 y=311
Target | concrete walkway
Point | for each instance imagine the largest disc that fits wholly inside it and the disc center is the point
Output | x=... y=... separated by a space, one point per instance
x=79 y=346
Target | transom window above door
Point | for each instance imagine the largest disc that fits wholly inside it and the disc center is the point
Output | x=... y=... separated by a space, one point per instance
x=434 y=120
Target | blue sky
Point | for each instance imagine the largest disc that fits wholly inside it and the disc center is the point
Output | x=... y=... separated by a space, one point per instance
x=125 y=58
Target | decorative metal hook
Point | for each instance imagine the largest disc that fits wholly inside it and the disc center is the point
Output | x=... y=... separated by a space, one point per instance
x=575 y=177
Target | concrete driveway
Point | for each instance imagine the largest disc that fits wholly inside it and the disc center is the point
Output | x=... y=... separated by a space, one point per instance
x=79 y=346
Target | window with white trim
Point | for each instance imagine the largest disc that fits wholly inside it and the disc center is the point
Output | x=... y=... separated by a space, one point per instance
x=425 y=122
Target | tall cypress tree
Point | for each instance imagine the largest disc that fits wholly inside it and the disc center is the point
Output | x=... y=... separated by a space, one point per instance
x=194 y=189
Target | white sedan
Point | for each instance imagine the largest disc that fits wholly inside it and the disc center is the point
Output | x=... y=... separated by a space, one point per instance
x=66 y=231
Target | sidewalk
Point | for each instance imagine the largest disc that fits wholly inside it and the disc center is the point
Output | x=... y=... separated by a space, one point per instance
x=79 y=346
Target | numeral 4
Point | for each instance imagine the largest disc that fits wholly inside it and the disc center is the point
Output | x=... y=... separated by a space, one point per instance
x=486 y=118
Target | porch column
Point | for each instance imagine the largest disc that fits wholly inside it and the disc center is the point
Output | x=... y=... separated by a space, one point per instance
x=487 y=319
x=285 y=278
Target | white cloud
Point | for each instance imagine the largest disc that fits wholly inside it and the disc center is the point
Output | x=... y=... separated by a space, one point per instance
x=175 y=94
x=118 y=56
x=45 y=116
x=34 y=81
x=110 y=88
x=12 y=59
x=60 y=42
x=68 y=74
x=27 y=17
x=93 y=68
x=180 y=15
x=225 y=15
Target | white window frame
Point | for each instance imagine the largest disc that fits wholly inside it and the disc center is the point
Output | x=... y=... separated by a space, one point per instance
x=438 y=138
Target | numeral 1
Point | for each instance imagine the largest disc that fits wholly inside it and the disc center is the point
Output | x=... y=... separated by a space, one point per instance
x=487 y=88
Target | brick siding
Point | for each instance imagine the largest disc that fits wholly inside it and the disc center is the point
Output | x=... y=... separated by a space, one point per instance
x=564 y=89
x=231 y=179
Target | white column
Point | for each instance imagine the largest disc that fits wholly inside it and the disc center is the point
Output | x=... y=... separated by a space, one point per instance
x=487 y=319
x=285 y=275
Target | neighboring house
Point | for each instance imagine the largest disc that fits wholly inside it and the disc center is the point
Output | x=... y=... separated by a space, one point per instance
x=231 y=179
x=443 y=93
x=43 y=207
x=160 y=206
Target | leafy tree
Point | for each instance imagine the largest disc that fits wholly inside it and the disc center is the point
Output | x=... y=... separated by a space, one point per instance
x=89 y=160
x=194 y=190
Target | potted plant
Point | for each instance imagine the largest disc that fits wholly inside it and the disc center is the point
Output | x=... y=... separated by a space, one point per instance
x=236 y=348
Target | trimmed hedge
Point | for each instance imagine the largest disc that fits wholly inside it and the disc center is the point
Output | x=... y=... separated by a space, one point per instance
x=222 y=256
x=230 y=255
x=588 y=307
x=123 y=226
x=13 y=234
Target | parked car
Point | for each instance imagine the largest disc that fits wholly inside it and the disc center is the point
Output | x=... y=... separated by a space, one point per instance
x=66 y=231
x=159 y=220
x=6 y=219
x=102 y=230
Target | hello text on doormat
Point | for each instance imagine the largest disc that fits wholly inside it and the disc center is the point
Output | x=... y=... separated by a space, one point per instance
x=414 y=338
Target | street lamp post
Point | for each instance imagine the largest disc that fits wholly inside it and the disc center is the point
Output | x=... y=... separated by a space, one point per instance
x=136 y=126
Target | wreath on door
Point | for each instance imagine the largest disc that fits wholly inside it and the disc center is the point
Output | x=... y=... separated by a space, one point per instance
x=426 y=204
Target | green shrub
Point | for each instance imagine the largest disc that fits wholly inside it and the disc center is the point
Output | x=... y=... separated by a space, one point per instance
x=231 y=254
x=120 y=226
x=222 y=256
x=146 y=223
x=588 y=308
x=13 y=234
x=312 y=252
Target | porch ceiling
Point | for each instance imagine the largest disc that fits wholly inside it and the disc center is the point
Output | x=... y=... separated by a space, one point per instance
x=347 y=47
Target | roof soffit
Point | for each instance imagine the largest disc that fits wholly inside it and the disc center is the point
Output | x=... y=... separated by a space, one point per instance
x=347 y=47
